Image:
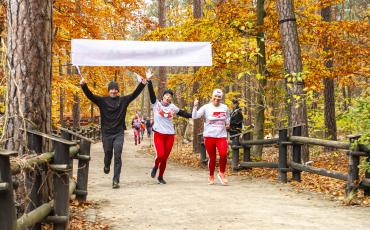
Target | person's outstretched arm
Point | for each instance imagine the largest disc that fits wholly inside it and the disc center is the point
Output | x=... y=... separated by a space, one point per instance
x=141 y=86
x=183 y=113
x=152 y=96
x=197 y=113
x=88 y=93
x=227 y=122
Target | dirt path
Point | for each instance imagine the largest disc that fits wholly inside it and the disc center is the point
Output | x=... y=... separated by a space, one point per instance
x=187 y=202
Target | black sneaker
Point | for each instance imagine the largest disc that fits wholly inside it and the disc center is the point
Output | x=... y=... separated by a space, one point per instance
x=154 y=172
x=161 y=181
x=115 y=185
x=106 y=170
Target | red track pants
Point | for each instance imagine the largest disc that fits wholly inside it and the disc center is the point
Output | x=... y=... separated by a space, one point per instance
x=137 y=136
x=212 y=144
x=163 y=145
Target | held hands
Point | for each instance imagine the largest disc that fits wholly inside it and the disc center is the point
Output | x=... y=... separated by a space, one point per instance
x=148 y=73
x=82 y=81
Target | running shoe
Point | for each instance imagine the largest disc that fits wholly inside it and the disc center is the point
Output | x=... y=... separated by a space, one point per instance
x=222 y=178
x=153 y=172
x=161 y=180
x=106 y=170
x=211 y=180
x=115 y=185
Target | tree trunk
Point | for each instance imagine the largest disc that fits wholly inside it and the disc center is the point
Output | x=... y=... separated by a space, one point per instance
x=30 y=59
x=76 y=116
x=61 y=96
x=198 y=123
x=92 y=118
x=248 y=98
x=260 y=97
x=162 y=70
x=329 y=108
x=293 y=66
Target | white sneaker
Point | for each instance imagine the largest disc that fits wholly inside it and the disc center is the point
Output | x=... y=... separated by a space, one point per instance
x=222 y=178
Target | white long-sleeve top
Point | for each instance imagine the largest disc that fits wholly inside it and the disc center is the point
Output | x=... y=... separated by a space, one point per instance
x=216 y=119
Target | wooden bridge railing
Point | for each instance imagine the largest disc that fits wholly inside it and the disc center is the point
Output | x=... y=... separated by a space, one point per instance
x=244 y=141
x=67 y=147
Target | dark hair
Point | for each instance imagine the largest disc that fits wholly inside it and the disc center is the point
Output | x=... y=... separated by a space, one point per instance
x=113 y=85
x=235 y=101
x=168 y=91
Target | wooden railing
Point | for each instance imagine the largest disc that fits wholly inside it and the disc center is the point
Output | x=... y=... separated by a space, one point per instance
x=244 y=141
x=67 y=147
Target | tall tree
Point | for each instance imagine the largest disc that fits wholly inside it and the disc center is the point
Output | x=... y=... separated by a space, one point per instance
x=329 y=108
x=76 y=108
x=198 y=124
x=29 y=57
x=293 y=65
x=262 y=74
x=162 y=23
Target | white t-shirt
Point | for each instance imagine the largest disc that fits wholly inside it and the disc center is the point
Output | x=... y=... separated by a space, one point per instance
x=216 y=119
x=163 y=117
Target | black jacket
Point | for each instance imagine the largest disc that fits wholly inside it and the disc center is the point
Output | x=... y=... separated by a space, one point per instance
x=112 y=109
x=236 y=121
x=153 y=99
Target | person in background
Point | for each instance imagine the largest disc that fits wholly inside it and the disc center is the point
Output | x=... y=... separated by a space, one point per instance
x=136 y=126
x=217 y=120
x=148 y=124
x=142 y=129
x=236 y=118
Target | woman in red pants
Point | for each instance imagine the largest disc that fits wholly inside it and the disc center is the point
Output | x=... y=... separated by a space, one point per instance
x=217 y=120
x=136 y=125
x=164 y=132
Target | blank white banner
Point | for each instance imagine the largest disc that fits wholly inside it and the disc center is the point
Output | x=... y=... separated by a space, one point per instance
x=86 y=52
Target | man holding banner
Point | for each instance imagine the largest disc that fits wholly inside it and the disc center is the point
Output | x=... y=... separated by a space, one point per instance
x=113 y=113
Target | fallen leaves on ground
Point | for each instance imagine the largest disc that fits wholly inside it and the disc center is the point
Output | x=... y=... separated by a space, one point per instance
x=79 y=219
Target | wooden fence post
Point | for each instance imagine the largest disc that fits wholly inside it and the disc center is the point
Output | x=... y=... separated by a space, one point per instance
x=67 y=136
x=34 y=178
x=367 y=176
x=94 y=133
x=83 y=169
x=235 y=153
x=353 y=170
x=247 y=148
x=283 y=156
x=8 y=217
x=203 y=153
x=297 y=131
x=61 y=183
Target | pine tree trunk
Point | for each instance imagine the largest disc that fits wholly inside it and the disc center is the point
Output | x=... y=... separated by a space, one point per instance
x=30 y=59
x=248 y=98
x=162 y=70
x=329 y=108
x=293 y=66
x=76 y=116
x=61 y=97
x=260 y=97
x=198 y=123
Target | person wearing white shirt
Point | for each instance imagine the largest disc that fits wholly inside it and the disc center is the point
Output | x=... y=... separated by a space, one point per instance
x=217 y=120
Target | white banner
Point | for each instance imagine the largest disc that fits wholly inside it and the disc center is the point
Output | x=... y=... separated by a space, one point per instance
x=86 y=52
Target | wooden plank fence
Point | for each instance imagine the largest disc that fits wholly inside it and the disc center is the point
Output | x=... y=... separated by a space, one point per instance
x=245 y=141
x=68 y=145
